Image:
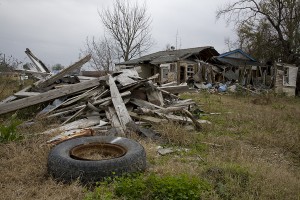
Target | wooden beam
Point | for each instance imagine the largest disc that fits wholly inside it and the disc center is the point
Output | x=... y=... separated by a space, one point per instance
x=79 y=124
x=147 y=118
x=115 y=122
x=177 y=89
x=118 y=103
x=26 y=94
x=79 y=112
x=100 y=101
x=38 y=63
x=43 y=97
x=64 y=72
x=153 y=94
x=144 y=104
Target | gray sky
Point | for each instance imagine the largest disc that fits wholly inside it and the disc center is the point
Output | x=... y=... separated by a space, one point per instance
x=55 y=30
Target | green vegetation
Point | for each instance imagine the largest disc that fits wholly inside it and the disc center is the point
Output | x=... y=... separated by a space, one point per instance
x=167 y=187
x=8 y=130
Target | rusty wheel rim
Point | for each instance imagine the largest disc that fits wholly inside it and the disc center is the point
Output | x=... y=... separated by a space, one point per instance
x=97 y=151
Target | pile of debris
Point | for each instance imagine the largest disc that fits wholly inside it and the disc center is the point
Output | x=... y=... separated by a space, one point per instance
x=114 y=104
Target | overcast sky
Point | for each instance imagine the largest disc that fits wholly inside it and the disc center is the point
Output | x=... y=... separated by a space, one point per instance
x=55 y=30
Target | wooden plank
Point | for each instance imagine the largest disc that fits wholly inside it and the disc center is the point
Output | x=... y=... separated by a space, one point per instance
x=155 y=97
x=26 y=94
x=144 y=104
x=77 y=98
x=85 y=78
x=71 y=100
x=79 y=112
x=148 y=119
x=124 y=80
x=64 y=72
x=65 y=112
x=38 y=63
x=43 y=97
x=181 y=103
x=79 y=124
x=127 y=77
x=177 y=89
x=8 y=99
x=169 y=94
x=189 y=119
x=67 y=135
x=196 y=123
x=118 y=103
x=100 y=101
x=169 y=109
x=115 y=122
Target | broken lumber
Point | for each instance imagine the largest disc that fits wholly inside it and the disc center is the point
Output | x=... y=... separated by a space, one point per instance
x=177 y=89
x=78 y=124
x=43 y=97
x=40 y=66
x=118 y=103
x=64 y=72
x=148 y=119
x=144 y=104
x=115 y=122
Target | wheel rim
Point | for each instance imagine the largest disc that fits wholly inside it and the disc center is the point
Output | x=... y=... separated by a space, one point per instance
x=97 y=151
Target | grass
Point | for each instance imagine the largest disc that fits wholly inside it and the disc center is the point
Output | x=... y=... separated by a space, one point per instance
x=256 y=156
x=9 y=86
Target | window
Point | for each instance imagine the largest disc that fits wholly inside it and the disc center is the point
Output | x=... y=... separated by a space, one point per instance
x=190 y=71
x=172 y=67
x=165 y=73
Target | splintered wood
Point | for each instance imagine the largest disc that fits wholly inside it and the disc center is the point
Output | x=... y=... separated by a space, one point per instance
x=116 y=104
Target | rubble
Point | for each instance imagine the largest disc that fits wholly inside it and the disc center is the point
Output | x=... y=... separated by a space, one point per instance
x=115 y=104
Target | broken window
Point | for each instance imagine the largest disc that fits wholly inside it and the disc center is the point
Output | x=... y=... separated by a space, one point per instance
x=190 y=71
x=172 y=67
x=165 y=73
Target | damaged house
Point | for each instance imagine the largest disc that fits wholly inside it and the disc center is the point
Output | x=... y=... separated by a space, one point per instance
x=172 y=65
x=202 y=64
x=286 y=79
x=239 y=66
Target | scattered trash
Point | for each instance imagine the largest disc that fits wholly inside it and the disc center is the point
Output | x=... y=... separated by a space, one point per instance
x=164 y=151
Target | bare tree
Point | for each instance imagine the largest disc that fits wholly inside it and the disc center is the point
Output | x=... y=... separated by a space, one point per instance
x=104 y=53
x=279 y=18
x=129 y=26
x=8 y=63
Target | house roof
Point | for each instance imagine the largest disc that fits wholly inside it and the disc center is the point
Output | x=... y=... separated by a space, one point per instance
x=236 y=58
x=173 y=55
x=238 y=53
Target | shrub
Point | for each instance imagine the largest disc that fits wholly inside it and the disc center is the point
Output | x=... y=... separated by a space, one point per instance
x=152 y=187
x=9 y=132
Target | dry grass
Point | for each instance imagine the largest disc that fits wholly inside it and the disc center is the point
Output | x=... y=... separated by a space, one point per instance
x=174 y=133
x=23 y=173
x=264 y=138
x=258 y=156
x=9 y=86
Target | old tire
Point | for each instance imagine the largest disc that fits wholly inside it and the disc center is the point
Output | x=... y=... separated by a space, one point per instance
x=65 y=167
